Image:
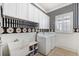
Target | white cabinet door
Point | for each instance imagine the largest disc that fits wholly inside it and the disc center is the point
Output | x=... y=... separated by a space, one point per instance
x=31 y=12
x=43 y=21
x=40 y=20
x=9 y=9
x=46 y=22
x=19 y=10
x=35 y=16
x=22 y=11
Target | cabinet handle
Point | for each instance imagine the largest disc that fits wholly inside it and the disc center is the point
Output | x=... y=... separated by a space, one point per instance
x=3 y=22
x=12 y=23
x=15 y=23
x=8 y=23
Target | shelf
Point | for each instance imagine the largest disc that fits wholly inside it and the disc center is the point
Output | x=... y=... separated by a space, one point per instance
x=33 y=48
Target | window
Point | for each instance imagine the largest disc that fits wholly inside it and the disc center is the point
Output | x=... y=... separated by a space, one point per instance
x=64 y=22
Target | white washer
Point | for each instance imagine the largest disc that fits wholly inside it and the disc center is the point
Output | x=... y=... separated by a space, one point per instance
x=46 y=42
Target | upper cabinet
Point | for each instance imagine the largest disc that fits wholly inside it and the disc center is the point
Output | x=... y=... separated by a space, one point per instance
x=43 y=21
x=40 y=20
x=18 y=10
x=28 y=12
x=38 y=16
x=22 y=11
x=46 y=22
x=33 y=13
x=10 y=9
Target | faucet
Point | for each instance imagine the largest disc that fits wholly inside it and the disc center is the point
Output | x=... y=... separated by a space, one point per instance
x=16 y=40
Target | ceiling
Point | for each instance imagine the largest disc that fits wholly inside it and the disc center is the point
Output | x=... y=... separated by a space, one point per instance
x=48 y=7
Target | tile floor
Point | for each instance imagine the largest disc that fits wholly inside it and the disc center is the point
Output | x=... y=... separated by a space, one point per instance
x=59 y=52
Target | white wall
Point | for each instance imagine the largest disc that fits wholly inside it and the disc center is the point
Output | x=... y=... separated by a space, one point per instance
x=68 y=41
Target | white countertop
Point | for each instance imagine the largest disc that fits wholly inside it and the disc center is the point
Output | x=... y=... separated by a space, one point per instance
x=46 y=34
